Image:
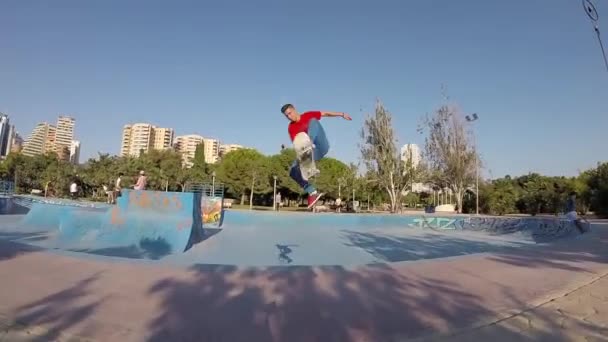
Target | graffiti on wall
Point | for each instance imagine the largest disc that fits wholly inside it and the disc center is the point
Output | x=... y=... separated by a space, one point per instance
x=155 y=200
x=211 y=209
x=436 y=222
x=539 y=229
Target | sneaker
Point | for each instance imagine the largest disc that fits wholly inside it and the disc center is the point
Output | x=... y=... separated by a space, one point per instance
x=313 y=198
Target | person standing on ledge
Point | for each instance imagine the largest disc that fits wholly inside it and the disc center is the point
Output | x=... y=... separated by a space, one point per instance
x=308 y=123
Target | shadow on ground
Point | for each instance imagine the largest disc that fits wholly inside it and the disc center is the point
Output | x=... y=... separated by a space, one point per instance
x=376 y=303
x=153 y=249
x=428 y=246
x=59 y=311
x=565 y=255
x=10 y=249
x=319 y=304
x=222 y=303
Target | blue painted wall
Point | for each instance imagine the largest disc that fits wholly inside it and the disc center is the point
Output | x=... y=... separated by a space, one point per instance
x=143 y=223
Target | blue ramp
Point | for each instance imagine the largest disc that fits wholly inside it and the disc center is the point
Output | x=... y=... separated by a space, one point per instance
x=143 y=224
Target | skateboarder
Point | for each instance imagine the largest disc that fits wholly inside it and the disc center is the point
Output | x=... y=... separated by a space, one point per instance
x=308 y=123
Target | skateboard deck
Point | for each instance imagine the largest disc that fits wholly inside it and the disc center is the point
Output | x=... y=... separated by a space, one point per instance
x=304 y=152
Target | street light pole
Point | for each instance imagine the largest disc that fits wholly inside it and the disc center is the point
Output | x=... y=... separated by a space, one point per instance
x=274 y=197
x=213 y=183
x=471 y=119
x=476 y=183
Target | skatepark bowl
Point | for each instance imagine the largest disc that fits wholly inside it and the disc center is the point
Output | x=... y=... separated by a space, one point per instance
x=186 y=229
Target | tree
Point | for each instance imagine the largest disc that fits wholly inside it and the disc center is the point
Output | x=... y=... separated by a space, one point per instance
x=200 y=168
x=245 y=169
x=449 y=153
x=382 y=159
x=332 y=171
x=598 y=184
x=170 y=169
x=183 y=177
x=582 y=188
x=502 y=197
x=279 y=166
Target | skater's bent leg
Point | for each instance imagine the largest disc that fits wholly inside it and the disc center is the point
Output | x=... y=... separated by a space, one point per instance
x=296 y=174
x=317 y=135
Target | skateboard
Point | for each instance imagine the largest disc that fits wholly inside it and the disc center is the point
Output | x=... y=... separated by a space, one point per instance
x=304 y=152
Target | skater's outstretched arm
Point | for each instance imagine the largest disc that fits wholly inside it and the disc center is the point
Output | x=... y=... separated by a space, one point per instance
x=334 y=114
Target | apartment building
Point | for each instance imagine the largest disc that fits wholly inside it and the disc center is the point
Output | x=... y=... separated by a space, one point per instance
x=212 y=150
x=49 y=143
x=186 y=145
x=226 y=148
x=162 y=138
x=143 y=137
x=17 y=143
x=39 y=139
x=64 y=134
x=47 y=138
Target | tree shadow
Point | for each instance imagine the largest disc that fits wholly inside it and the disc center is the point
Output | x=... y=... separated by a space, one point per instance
x=10 y=249
x=153 y=249
x=223 y=303
x=301 y=303
x=373 y=303
x=565 y=254
x=428 y=246
x=551 y=257
x=59 y=311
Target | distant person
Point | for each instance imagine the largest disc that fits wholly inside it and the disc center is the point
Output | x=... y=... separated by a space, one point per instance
x=278 y=201
x=117 y=188
x=141 y=181
x=73 y=190
x=338 y=204
x=109 y=194
x=571 y=214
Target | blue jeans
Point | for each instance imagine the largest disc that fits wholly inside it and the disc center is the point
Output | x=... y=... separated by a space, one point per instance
x=318 y=138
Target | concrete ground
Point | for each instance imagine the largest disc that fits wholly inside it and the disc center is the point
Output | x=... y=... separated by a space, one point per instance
x=555 y=292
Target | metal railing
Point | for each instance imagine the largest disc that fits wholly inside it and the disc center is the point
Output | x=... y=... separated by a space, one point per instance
x=207 y=189
x=7 y=188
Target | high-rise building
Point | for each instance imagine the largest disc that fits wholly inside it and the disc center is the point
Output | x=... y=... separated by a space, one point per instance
x=411 y=152
x=49 y=143
x=225 y=148
x=212 y=150
x=64 y=135
x=162 y=138
x=36 y=142
x=5 y=135
x=186 y=145
x=47 y=138
x=143 y=137
x=17 y=143
x=12 y=135
x=75 y=152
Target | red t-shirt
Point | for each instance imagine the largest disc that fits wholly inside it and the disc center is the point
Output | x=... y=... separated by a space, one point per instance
x=302 y=125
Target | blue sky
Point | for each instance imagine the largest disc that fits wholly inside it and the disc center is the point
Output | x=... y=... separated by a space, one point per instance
x=531 y=69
